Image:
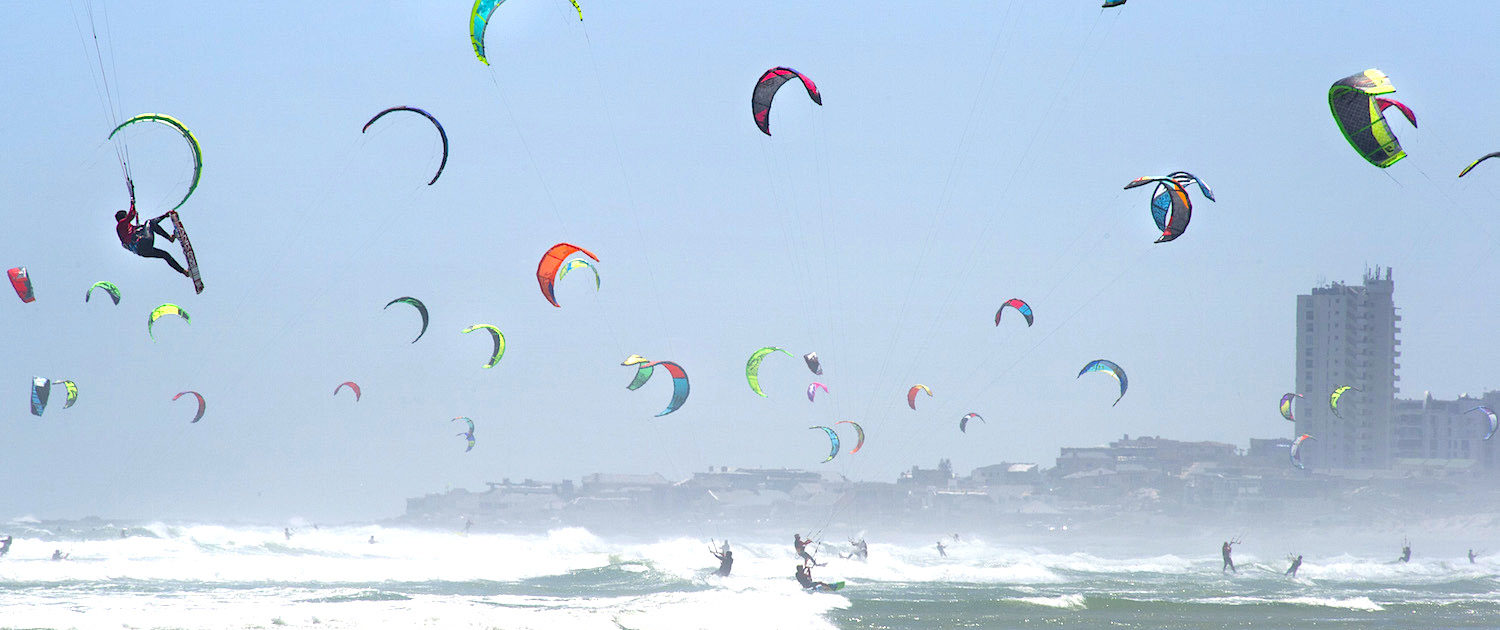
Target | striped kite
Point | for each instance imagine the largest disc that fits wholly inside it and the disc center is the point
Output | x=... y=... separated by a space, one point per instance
x=963 y=423
x=162 y=311
x=201 y=404
x=858 y=430
x=1333 y=399
x=109 y=287
x=1111 y=368
x=497 y=336
x=469 y=435
x=765 y=90
x=645 y=368
x=1296 y=454
x=1494 y=422
x=186 y=135
x=479 y=20
x=547 y=268
x=812 y=389
x=911 y=395
x=1286 y=406
x=1019 y=305
x=833 y=440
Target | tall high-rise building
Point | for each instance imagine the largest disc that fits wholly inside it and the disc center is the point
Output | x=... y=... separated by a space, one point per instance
x=1346 y=335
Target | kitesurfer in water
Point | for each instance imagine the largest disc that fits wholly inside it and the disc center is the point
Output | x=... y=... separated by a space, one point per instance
x=5 y=548
x=140 y=239
x=801 y=544
x=804 y=577
x=1225 y=550
x=57 y=554
x=1471 y=556
x=287 y=531
x=941 y=549
x=726 y=561
x=1296 y=564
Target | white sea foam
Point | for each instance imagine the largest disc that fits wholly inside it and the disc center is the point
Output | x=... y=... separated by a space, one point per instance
x=1073 y=601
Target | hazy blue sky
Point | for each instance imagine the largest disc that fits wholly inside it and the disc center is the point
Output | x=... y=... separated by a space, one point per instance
x=966 y=153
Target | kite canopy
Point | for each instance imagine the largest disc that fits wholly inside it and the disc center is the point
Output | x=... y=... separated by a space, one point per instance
x=858 y=430
x=109 y=287
x=21 y=282
x=41 y=388
x=911 y=395
x=547 y=268
x=1286 y=406
x=1170 y=206
x=1187 y=179
x=752 y=367
x=162 y=311
x=643 y=371
x=1475 y=163
x=1111 y=368
x=479 y=19
x=468 y=435
x=1296 y=454
x=812 y=389
x=441 y=133
x=812 y=363
x=497 y=336
x=1333 y=399
x=833 y=440
x=201 y=404
x=186 y=135
x=765 y=91
x=353 y=387
x=72 y=391
x=1494 y=422
x=1361 y=118
x=576 y=263
x=1019 y=305
x=963 y=423
x=416 y=304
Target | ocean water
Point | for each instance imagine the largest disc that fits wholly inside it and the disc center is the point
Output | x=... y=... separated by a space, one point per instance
x=204 y=576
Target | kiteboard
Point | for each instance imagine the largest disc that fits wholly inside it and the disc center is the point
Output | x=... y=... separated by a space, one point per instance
x=187 y=251
x=836 y=586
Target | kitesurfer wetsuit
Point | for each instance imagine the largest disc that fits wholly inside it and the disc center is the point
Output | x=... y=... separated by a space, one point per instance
x=726 y=562
x=1228 y=562
x=1471 y=556
x=1296 y=564
x=1406 y=553
x=941 y=549
x=801 y=545
x=5 y=548
x=141 y=239
x=804 y=577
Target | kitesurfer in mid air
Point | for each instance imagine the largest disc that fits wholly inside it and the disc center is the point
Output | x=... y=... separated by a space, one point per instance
x=1405 y=551
x=861 y=550
x=1296 y=564
x=1225 y=550
x=801 y=544
x=140 y=238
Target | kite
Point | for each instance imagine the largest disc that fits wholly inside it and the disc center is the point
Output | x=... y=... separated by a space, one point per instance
x=1296 y=454
x=1494 y=422
x=72 y=389
x=353 y=387
x=546 y=270
x=469 y=434
x=963 y=423
x=162 y=311
x=1170 y=206
x=201 y=404
x=41 y=388
x=186 y=135
x=416 y=304
x=811 y=389
x=1111 y=368
x=833 y=439
x=576 y=263
x=1019 y=305
x=1112 y=3
x=441 y=133
x=1333 y=400
x=858 y=430
x=1475 y=163
x=644 y=370
x=498 y=337
x=911 y=395
x=109 y=287
x=812 y=363
x=21 y=282
x=765 y=90
x=1286 y=406
x=1361 y=118
x=479 y=19
x=1186 y=179
x=752 y=367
